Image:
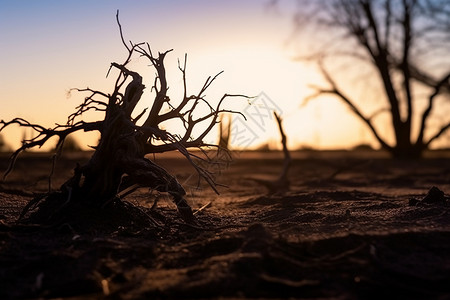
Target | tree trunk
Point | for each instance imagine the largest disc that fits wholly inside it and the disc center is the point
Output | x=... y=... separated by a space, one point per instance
x=407 y=151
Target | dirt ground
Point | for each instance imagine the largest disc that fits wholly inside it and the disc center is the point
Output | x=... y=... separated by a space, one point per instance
x=345 y=230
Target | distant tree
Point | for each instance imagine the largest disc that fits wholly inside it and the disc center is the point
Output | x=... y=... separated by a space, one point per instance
x=406 y=45
x=2 y=143
x=282 y=183
x=119 y=163
x=224 y=132
x=70 y=145
x=3 y=146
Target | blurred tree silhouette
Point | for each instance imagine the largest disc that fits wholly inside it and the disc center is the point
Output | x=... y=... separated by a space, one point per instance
x=224 y=131
x=405 y=43
x=70 y=145
x=3 y=146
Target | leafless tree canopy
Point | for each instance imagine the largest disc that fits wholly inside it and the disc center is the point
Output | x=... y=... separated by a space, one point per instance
x=119 y=162
x=406 y=43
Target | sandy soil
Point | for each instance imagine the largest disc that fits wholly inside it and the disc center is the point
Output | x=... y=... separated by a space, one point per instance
x=345 y=230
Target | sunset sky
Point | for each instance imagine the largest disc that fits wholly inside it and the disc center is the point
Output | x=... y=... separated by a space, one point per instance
x=48 y=47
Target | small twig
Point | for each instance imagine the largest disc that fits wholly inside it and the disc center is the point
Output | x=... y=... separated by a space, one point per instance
x=202 y=208
x=128 y=190
x=287 y=155
x=155 y=203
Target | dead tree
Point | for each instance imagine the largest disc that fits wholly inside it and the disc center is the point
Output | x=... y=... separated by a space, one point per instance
x=404 y=44
x=119 y=161
x=282 y=183
x=224 y=132
x=3 y=146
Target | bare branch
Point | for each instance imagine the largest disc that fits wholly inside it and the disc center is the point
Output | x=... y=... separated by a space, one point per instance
x=43 y=135
x=444 y=81
x=121 y=33
x=336 y=92
x=378 y=112
x=438 y=134
x=287 y=155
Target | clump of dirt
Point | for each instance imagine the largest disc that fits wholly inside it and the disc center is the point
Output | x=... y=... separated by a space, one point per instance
x=434 y=196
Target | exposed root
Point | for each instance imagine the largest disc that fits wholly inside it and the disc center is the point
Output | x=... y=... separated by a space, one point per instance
x=202 y=208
